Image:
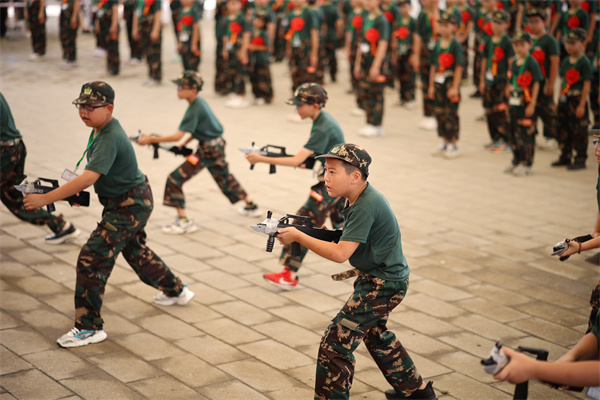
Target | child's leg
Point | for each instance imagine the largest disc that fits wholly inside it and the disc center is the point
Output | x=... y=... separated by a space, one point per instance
x=496 y=108
x=465 y=47
x=374 y=105
x=153 y=50
x=579 y=132
x=352 y=59
x=594 y=100
x=527 y=138
x=264 y=87
x=512 y=133
x=112 y=45
x=439 y=109
x=424 y=70
x=406 y=79
x=564 y=141
x=545 y=110
x=174 y=196
x=477 y=61
x=212 y=155
x=37 y=27
x=332 y=60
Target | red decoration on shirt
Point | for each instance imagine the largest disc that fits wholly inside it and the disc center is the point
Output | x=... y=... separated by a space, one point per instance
x=465 y=17
x=402 y=32
x=235 y=29
x=500 y=5
x=571 y=78
x=296 y=25
x=258 y=41
x=487 y=28
x=389 y=16
x=573 y=22
x=147 y=5
x=539 y=56
x=357 y=23
x=524 y=80
x=445 y=61
x=372 y=36
x=186 y=20
x=585 y=5
x=480 y=22
x=498 y=54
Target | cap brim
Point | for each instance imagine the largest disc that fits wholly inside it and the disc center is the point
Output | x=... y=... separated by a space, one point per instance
x=87 y=100
x=330 y=156
x=293 y=102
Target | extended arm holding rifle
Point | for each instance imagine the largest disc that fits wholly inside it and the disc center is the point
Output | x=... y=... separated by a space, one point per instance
x=154 y=140
x=37 y=186
x=276 y=155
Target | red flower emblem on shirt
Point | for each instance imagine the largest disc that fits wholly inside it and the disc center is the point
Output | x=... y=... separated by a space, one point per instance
x=186 y=20
x=389 y=16
x=402 y=32
x=372 y=36
x=480 y=22
x=524 y=80
x=235 y=28
x=586 y=6
x=487 y=28
x=258 y=41
x=445 y=60
x=498 y=54
x=573 y=22
x=357 y=22
x=539 y=56
x=500 y=5
x=297 y=24
x=465 y=16
x=572 y=76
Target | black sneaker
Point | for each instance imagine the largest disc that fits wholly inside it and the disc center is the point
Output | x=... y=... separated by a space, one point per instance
x=561 y=163
x=422 y=394
x=250 y=210
x=576 y=165
x=68 y=233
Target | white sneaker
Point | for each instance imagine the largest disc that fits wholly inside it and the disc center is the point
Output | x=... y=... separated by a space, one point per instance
x=237 y=102
x=428 y=124
x=358 y=112
x=176 y=58
x=259 y=102
x=179 y=227
x=250 y=210
x=411 y=105
x=68 y=65
x=441 y=151
x=451 y=151
x=547 y=144
x=68 y=234
x=134 y=61
x=99 y=52
x=184 y=297
x=36 y=57
x=77 y=338
x=371 y=131
x=521 y=170
x=151 y=83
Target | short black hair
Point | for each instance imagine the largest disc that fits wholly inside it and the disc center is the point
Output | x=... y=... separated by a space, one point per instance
x=351 y=168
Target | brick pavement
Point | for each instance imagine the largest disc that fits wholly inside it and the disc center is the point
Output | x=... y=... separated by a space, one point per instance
x=477 y=242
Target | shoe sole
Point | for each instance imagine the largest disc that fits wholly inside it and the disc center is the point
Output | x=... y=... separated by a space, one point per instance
x=280 y=286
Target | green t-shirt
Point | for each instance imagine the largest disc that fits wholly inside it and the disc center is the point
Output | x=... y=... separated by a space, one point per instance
x=497 y=55
x=425 y=30
x=570 y=20
x=371 y=222
x=235 y=29
x=330 y=15
x=356 y=20
x=382 y=28
x=111 y=155
x=567 y=71
x=542 y=49
x=185 y=26
x=260 y=37
x=404 y=34
x=200 y=121
x=147 y=8
x=8 y=130
x=324 y=134
x=391 y=14
x=309 y=22
x=530 y=69
x=443 y=62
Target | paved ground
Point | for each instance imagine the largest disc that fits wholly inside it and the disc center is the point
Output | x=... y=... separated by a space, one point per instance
x=477 y=242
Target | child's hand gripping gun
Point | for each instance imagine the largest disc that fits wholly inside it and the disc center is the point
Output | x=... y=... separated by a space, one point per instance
x=271 y=150
x=178 y=151
x=26 y=187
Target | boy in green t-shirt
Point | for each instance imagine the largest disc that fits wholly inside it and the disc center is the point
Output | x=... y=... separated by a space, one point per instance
x=125 y=193
x=236 y=39
x=309 y=99
x=498 y=55
x=198 y=123
x=259 y=65
x=371 y=242
x=573 y=115
x=402 y=41
x=445 y=77
x=523 y=90
x=107 y=26
x=188 y=35
x=147 y=28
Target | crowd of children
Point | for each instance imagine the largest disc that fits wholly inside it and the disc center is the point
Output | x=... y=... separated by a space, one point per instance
x=386 y=45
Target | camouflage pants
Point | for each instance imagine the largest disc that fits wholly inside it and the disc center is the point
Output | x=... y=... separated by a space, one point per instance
x=235 y=74
x=135 y=46
x=318 y=207
x=406 y=78
x=327 y=55
x=595 y=104
x=190 y=61
x=211 y=155
x=120 y=231
x=424 y=70
x=12 y=173
x=220 y=84
x=478 y=49
x=67 y=37
x=595 y=303
x=370 y=98
x=544 y=109
x=446 y=112
x=299 y=62
x=495 y=104
x=260 y=79
x=152 y=49
x=465 y=47
x=352 y=62
x=572 y=131
x=521 y=136
x=113 y=61
x=280 y=42
x=364 y=318
x=37 y=28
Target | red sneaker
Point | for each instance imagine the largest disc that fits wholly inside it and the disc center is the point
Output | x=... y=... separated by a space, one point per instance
x=282 y=279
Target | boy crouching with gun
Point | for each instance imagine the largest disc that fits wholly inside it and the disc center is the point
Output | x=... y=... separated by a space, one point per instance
x=371 y=242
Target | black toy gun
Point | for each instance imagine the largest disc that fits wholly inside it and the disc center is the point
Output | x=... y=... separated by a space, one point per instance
x=271 y=150
x=183 y=151
x=560 y=247
x=270 y=226
x=26 y=187
x=498 y=360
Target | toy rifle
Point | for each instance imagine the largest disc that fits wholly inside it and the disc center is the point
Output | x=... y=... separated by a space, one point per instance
x=270 y=226
x=183 y=151
x=271 y=150
x=26 y=187
x=560 y=247
x=498 y=360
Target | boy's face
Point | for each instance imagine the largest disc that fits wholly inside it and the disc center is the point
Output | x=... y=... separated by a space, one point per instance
x=573 y=47
x=261 y=3
x=94 y=115
x=371 y=5
x=187 y=3
x=299 y=3
x=536 y=24
x=405 y=9
x=498 y=27
x=233 y=6
x=184 y=91
x=446 y=28
x=307 y=110
x=522 y=48
x=337 y=180
x=258 y=23
x=575 y=3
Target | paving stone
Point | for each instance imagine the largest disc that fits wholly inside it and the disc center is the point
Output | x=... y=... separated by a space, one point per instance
x=462 y=387
x=421 y=323
x=211 y=350
x=231 y=264
x=547 y=330
x=168 y=328
x=6 y=321
x=288 y=333
x=276 y=354
x=129 y=307
x=466 y=364
x=220 y=280
x=433 y=307
x=32 y=384
x=24 y=340
x=125 y=366
x=59 y=364
x=491 y=310
x=148 y=346
x=258 y=375
x=192 y=371
x=259 y=297
x=470 y=343
x=444 y=275
x=499 y=295
x=232 y=390
x=46 y=320
x=31 y=256
x=486 y=327
x=100 y=385
x=419 y=343
x=208 y=295
x=439 y=290
x=11 y=363
x=315 y=300
x=302 y=316
x=12 y=269
x=243 y=312
x=555 y=314
x=10 y=242
x=56 y=271
x=230 y=331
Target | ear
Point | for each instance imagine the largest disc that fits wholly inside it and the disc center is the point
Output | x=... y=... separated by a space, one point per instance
x=356 y=176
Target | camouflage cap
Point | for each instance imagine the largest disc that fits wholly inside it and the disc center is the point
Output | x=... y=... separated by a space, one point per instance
x=308 y=93
x=96 y=92
x=501 y=16
x=403 y=2
x=352 y=154
x=577 y=34
x=521 y=36
x=447 y=17
x=536 y=12
x=191 y=79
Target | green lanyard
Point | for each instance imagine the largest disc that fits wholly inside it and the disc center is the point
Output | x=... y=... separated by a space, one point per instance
x=492 y=48
x=370 y=22
x=91 y=141
x=514 y=78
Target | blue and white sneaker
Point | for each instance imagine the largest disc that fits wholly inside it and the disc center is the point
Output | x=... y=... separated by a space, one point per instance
x=77 y=338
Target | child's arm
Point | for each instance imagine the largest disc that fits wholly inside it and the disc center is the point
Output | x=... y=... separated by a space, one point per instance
x=147 y=139
x=195 y=38
x=75 y=15
x=375 y=70
x=303 y=154
x=456 y=80
x=155 y=33
x=357 y=63
x=596 y=231
x=135 y=33
x=522 y=368
x=482 y=75
x=580 y=110
x=585 y=350
x=114 y=23
x=415 y=57
x=431 y=90
x=271 y=35
x=41 y=15
x=552 y=74
x=519 y=17
x=314 y=47
x=576 y=248
x=85 y=180
x=243 y=54
x=336 y=252
x=530 y=109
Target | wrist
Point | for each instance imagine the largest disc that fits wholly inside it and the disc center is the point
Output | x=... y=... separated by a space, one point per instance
x=579 y=251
